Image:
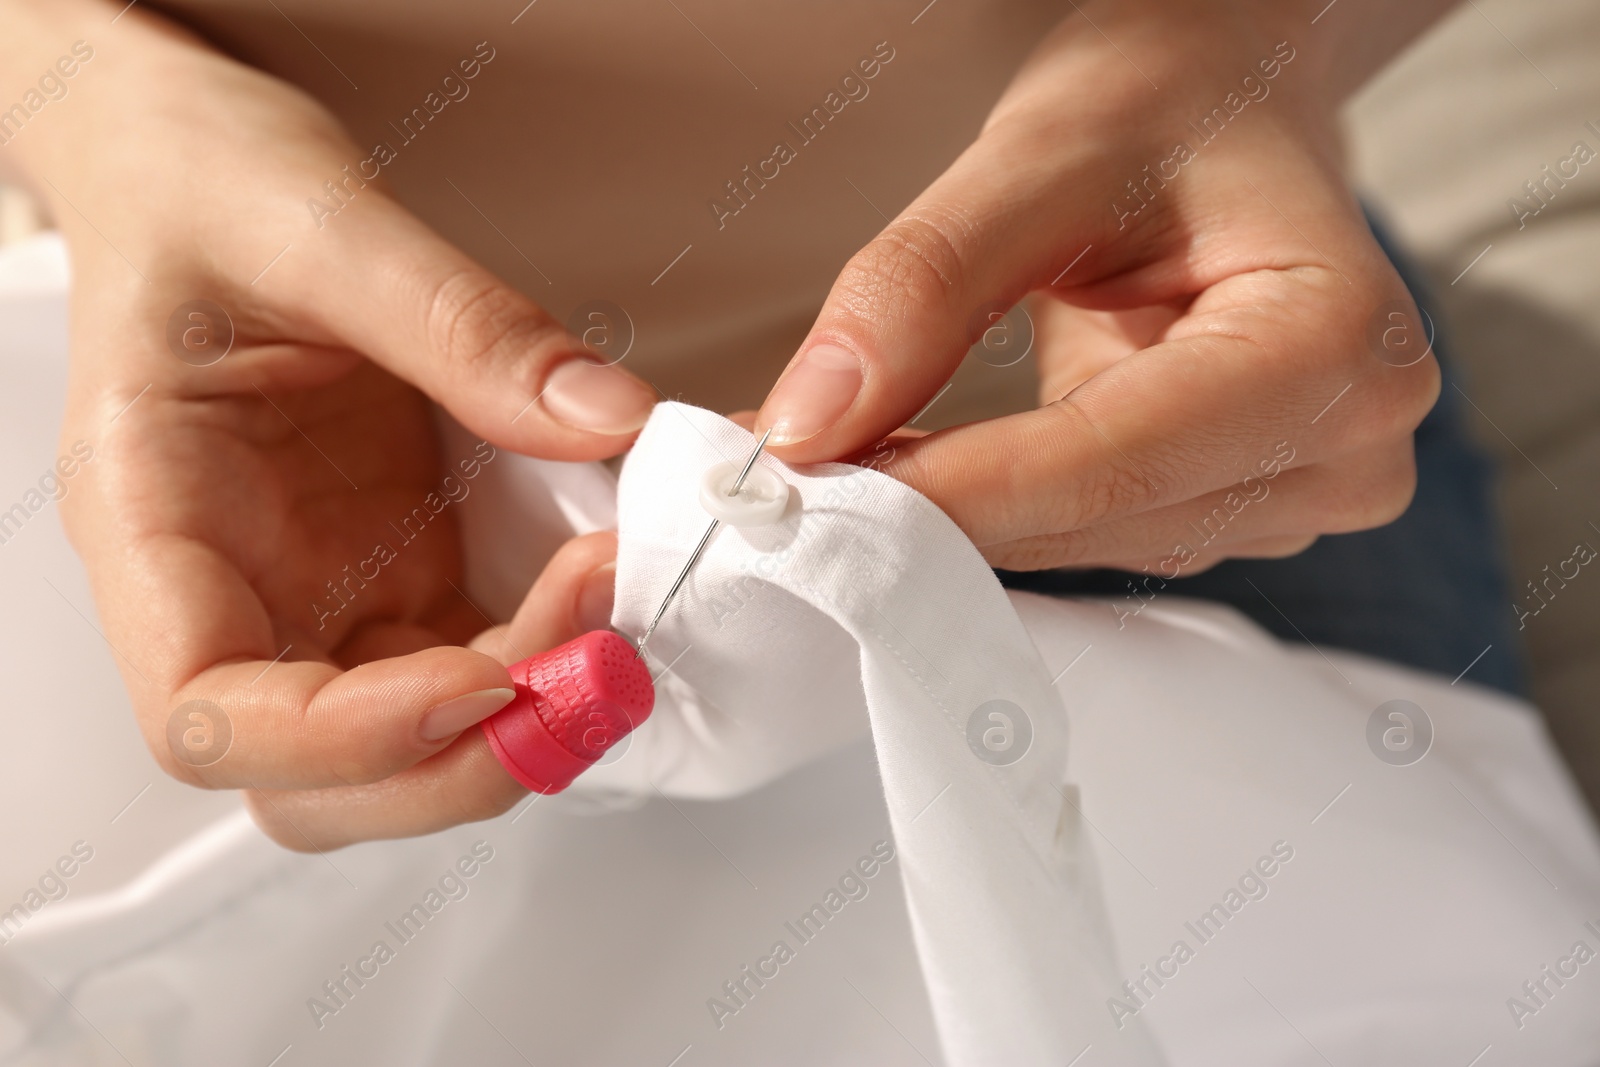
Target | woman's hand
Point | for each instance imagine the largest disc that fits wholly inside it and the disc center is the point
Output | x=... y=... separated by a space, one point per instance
x=419 y=788
x=269 y=518
x=1215 y=322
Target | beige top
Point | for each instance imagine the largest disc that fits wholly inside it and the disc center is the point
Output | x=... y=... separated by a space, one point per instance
x=598 y=142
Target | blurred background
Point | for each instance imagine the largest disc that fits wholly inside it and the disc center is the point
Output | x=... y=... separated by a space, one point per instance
x=1441 y=144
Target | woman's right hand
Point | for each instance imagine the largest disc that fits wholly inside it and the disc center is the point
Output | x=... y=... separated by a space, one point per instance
x=228 y=503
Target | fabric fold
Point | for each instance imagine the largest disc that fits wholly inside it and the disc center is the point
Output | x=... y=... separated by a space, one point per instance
x=787 y=640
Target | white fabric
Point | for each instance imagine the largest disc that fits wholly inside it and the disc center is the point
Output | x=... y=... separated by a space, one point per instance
x=1418 y=899
x=1002 y=895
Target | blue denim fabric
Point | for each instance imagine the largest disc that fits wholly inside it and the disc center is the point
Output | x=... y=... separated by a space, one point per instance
x=1429 y=590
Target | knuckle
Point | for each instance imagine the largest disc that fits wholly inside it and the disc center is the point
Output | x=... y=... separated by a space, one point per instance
x=1418 y=394
x=1381 y=499
x=1392 y=500
x=1406 y=388
x=1109 y=488
x=1108 y=491
x=472 y=319
x=1101 y=480
x=1404 y=398
x=916 y=258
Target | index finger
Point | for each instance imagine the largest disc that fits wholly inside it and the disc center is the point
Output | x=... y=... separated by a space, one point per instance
x=906 y=308
x=1245 y=381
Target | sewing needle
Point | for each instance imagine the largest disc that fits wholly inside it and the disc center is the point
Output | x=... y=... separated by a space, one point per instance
x=705 y=539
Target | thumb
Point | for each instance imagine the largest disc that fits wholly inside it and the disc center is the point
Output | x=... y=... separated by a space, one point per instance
x=425 y=311
x=906 y=308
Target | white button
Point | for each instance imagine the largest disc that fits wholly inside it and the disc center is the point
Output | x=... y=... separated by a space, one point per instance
x=760 y=501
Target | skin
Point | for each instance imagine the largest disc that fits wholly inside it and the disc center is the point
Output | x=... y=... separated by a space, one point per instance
x=1177 y=346
x=1176 y=353
x=212 y=516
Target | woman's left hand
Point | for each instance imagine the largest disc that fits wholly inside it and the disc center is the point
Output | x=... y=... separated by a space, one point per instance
x=1215 y=321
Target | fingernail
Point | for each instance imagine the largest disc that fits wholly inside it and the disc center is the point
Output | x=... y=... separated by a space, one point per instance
x=596 y=398
x=812 y=396
x=599 y=592
x=456 y=715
